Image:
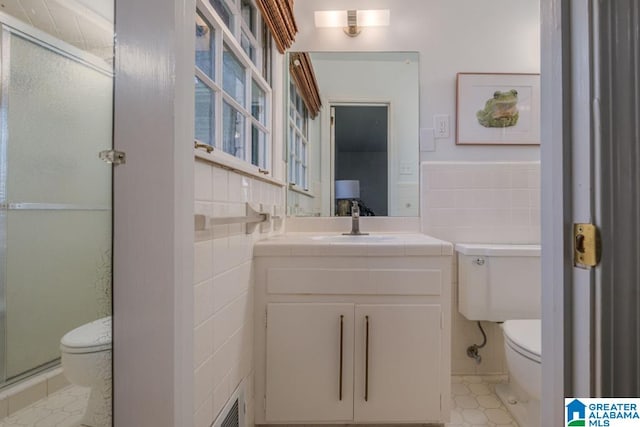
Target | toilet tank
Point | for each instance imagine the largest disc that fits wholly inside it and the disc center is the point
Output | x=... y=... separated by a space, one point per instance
x=499 y=282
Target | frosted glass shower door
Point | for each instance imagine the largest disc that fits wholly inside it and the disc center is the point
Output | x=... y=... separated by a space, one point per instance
x=55 y=199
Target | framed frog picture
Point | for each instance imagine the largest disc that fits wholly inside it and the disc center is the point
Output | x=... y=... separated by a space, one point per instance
x=498 y=108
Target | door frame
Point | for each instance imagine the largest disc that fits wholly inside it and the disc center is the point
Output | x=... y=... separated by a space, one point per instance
x=569 y=331
x=329 y=150
x=555 y=152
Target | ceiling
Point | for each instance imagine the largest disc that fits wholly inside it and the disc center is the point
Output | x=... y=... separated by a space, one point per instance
x=86 y=24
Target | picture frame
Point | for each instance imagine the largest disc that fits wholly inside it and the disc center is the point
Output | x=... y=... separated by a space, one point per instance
x=497 y=109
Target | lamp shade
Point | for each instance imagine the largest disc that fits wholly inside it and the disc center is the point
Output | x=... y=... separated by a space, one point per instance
x=347 y=189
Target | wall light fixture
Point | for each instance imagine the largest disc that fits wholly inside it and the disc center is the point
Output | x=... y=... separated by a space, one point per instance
x=352 y=21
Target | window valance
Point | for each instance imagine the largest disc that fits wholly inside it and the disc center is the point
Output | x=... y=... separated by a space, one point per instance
x=278 y=15
x=305 y=80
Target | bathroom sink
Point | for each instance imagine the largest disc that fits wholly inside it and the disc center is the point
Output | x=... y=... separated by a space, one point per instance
x=337 y=244
x=364 y=238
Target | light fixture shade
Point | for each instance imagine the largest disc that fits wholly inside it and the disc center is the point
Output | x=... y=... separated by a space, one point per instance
x=374 y=18
x=330 y=18
x=338 y=18
x=347 y=189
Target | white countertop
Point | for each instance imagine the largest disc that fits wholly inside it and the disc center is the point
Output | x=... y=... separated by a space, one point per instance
x=336 y=244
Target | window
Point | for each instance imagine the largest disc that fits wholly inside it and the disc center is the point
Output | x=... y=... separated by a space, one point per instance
x=232 y=93
x=298 y=139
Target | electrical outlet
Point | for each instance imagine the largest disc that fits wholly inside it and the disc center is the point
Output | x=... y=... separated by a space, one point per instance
x=441 y=126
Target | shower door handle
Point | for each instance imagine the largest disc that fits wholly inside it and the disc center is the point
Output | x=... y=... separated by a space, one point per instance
x=113 y=157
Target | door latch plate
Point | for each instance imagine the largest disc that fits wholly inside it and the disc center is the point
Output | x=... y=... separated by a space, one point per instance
x=586 y=246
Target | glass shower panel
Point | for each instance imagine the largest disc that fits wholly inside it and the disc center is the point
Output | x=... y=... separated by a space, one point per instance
x=58 y=277
x=59 y=118
x=57 y=272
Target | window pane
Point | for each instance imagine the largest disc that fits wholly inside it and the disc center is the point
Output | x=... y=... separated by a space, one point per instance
x=249 y=15
x=303 y=184
x=233 y=76
x=223 y=12
x=298 y=121
x=204 y=113
x=248 y=47
x=232 y=131
x=258 y=148
x=205 y=46
x=266 y=54
x=258 y=103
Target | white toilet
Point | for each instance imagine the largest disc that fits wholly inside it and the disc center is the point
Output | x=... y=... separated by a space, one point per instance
x=501 y=283
x=86 y=361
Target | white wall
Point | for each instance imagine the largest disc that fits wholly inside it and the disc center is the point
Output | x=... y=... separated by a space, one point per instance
x=153 y=214
x=451 y=36
x=223 y=288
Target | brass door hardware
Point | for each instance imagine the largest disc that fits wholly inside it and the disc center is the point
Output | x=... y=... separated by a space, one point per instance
x=586 y=246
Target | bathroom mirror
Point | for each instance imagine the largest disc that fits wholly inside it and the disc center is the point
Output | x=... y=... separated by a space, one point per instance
x=363 y=144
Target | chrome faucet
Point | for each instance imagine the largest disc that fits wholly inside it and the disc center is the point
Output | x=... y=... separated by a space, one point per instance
x=355 y=220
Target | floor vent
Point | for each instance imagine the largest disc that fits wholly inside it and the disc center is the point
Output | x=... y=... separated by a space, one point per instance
x=233 y=414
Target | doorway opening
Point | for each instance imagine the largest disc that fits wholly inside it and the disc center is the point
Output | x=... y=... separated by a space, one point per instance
x=361 y=154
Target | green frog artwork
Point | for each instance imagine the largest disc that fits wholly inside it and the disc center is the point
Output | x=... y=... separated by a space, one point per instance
x=501 y=111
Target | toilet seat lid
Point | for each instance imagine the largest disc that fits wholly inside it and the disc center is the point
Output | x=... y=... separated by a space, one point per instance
x=88 y=338
x=524 y=336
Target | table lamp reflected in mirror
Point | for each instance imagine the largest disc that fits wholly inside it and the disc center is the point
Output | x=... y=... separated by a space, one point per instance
x=346 y=191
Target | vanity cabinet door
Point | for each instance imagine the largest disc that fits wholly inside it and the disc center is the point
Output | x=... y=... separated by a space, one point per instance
x=397 y=360
x=309 y=371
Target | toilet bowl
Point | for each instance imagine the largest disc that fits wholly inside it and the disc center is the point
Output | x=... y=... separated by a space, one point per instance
x=522 y=344
x=86 y=362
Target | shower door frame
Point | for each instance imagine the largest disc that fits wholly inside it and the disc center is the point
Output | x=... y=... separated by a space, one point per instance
x=10 y=26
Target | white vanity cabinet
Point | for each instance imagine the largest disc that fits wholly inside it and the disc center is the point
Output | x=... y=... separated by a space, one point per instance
x=309 y=362
x=355 y=338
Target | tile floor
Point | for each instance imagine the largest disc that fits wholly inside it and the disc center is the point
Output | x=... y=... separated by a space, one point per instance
x=63 y=408
x=474 y=403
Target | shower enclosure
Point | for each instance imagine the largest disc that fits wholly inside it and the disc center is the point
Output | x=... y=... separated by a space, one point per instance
x=55 y=195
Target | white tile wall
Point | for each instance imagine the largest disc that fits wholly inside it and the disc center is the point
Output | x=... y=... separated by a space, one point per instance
x=223 y=294
x=480 y=202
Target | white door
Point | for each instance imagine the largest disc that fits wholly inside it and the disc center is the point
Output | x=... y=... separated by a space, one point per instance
x=309 y=362
x=397 y=363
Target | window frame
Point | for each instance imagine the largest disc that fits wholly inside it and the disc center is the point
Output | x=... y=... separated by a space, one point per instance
x=298 y=138
x=230 y=37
